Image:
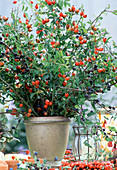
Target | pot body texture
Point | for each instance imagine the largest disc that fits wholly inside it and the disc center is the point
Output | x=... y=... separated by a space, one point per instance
x=48 y=136
x=12 y=164
x=3 y=165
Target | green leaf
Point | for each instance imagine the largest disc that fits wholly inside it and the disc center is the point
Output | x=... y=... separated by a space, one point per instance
x=26 y=8
x=87 y=144
x=31 y=36
x=90 y=113
x=112 y=128
x=36 y=24
x=13 y=16
x=114 y=12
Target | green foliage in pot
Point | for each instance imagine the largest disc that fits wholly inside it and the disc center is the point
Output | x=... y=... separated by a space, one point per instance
x=55 y=72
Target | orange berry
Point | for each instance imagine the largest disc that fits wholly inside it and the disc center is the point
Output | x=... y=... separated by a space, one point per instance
x=50 y=103
x=81 y=42
x=1 y=63
x=67 y=78
x=47 y=102
x=45 y=106
x=92 y=33
x=103 y=69
x=33 y=83
x=94 y=29
x=76 y=31
x=37 y=82
x=29 y=110
x=77 y=11
x=28 y=115
x=64 y=76
x=45 y=113
x=116 y=77
x=20 y=105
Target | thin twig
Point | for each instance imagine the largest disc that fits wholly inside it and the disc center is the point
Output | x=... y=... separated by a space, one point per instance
x=18 y=95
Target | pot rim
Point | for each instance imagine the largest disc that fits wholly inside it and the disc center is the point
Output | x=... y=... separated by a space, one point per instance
x=47 y=120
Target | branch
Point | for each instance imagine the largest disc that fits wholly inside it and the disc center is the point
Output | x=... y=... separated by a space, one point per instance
x=18 y=95
x=98 y=17
x=7 y=47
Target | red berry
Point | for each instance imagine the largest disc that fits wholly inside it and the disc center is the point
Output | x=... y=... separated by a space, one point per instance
x=49 y=2
x=11 y=90
x=27 y=152
x=33 y=83
x=31 y=2
x=61 y=14
x=81 y=63
x=36 y=6
x=73 y=8
x=110 y=144
x=24 y=15
x=77 y=63
x=104 y=40
x=80 y=38
x=84 y=16
x=64 y=83
x=53 y=2
x=76 y=31
x=82 y=13
x=46 y=82
x=37 y=82
x=73 y=74
x=30 y=90
x=47 y=102
x=13 y=157
x=84 y=41
x=6 y=69
x=14 y=2
x=66 y=94
x=7 y=34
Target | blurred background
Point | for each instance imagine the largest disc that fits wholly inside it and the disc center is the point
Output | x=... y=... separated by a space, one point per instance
x=92 y=9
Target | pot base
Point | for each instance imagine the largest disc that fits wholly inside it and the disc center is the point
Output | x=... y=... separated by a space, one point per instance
x=52 y=164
